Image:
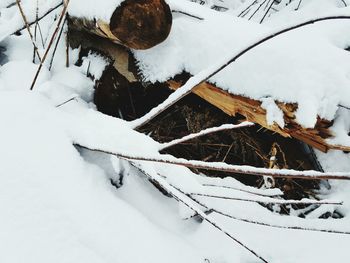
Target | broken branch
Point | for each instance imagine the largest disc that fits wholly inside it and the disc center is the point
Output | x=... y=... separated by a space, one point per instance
x=205 y=132
x=238 y=169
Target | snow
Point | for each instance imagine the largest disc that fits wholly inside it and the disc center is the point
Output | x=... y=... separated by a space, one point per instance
x=313 y=73
x=94 y=65
x=57 y=202
x=66 y=213
x=273 y=113
x=27 y=71
x=11 y=20
x=89 y=9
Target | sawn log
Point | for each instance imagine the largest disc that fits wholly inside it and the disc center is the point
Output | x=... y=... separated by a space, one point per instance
x=136 y=24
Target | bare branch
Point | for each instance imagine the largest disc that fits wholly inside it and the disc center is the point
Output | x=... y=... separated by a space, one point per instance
x=268 y=200
x=228 y=168
x=63 y=13
x=187 y=14
x=244 y=190
x=189 y=203
x=251 y=221
x=205 y=132
x=28 y=28
x=40 y=18
x=57 y=43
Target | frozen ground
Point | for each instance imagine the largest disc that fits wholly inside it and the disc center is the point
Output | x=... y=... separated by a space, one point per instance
x=56 y=200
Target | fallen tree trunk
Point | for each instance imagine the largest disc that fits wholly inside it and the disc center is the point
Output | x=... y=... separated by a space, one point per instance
x=136 y=24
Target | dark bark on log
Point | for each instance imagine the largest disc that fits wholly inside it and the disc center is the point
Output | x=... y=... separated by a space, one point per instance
x=136 y=24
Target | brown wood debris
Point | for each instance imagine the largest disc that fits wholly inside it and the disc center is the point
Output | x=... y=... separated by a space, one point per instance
x=252 y=111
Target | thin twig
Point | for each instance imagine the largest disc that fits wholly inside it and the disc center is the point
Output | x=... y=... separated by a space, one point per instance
x=227 y=152
x=189 y=203
x=187 y=14
x=228 y=168
x=67 y=43
x=40 y=18
x=205 y=132
x=246 y=9
x=344 y=107
x=36 y=51
x=36 y=25
x=65 y=102
x=251 y=221
x=242 y=190
x=208 y=73
x=56 y=45
x=11 y=4
x=297 y=8
x=257 y=9
x=269 y=200
x=64 y=10
x=267 y=11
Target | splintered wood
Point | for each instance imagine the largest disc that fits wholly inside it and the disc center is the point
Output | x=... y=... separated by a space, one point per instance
x=252 y=111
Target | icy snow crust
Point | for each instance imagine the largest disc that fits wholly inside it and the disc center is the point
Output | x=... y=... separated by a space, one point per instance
x=56 y=200
x=308 y=66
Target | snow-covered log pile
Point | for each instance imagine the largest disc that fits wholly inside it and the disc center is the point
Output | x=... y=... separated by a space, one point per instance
x=296 y=93
x=77 y=185
x=298 y=100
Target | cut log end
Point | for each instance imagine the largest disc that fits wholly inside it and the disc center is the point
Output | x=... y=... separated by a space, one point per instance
x=141 y=24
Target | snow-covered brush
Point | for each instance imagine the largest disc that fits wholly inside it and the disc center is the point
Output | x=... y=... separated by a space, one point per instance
x=211 y=71
x=201 y=194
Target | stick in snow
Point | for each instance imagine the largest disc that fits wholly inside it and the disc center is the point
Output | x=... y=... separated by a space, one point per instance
x=63 y=13
x=36 y=51
x=250 y=221
x=182 y=198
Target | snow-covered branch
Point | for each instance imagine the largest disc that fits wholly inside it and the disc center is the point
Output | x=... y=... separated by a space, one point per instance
x=205 y=132
x=192 y=205
x=228 y=168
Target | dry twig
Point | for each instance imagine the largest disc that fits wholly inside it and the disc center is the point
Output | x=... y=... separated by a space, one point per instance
x=235 y=169
x=28 y=29
x=63 y=13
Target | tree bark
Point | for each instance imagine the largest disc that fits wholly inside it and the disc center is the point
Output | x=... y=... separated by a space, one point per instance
x=136 y=24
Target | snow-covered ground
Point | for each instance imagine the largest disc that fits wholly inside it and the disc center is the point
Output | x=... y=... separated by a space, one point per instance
x=56 y=200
